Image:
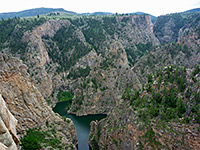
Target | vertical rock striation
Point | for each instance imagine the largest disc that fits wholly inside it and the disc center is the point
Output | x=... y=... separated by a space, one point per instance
x=8 y=123
x=38 y=57
x=27 y=104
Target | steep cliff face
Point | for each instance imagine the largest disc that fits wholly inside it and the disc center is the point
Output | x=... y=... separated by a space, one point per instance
x=104 y=55
x=124 y=127
x=27 y=104
x=164 y=115
x=166 y=27
x=138 y=29
x=136 y=35
x=167 y=34
x=101 y=90
x=8 y=123
x=125 y=133
x=100 y=60
x=37 y=56
x=189 y=35
x=110 y=74
x=55 y=48
x=185 y=52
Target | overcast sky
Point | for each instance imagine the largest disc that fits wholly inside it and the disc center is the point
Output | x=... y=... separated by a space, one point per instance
x=154 y=7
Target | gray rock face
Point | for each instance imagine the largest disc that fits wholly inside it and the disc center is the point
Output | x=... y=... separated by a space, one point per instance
x=104 y=86
x=8 y=123
x=139 y=29
x=120 y=130
x=27 y=104
x=38 y=57
x=110 y=74
x=183 y=53
x=168 y=32
x=3 y=147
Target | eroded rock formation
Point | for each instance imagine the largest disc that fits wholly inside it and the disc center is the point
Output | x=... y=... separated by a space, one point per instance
x=8 y=123
x=27 y=104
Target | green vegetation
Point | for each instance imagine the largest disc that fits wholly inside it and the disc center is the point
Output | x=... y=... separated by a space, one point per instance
x=168 y=98
x=114 y=141
x=35 y=139
x=94 y=143
x=175 y=48
x=150 y=137
x=161 y=21
x=79 y=72
x=71 y=48
x=11 y=32
x=169 y=95
x=64 y=96
x=196 y=70
x=134 y=55
x=106 y=63
x=94 y=34
x=109 y=25
x=31 y=12
x=142 y=48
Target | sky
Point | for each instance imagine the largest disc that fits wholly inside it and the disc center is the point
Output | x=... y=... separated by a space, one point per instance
x=154 y=7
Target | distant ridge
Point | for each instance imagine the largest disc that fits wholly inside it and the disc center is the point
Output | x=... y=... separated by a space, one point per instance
x=42 y=11
x=153 y=18
x=32 y=12
x=97 y=13
x=193 y=10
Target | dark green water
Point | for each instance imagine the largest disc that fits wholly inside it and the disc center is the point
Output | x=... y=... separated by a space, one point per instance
x=82 y=124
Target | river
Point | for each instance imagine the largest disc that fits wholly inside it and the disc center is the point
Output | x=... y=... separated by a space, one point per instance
x=82 y=124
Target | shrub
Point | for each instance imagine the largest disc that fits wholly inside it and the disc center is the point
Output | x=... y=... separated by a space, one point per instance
x=64 y=96
x=32 y=140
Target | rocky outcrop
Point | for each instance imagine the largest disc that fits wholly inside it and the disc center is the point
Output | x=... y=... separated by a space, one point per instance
x=92 y=59
x=26 y=102
x=167 y=27
x=168 y=34
x=189 y=35
x=112 y=64
x=111 y=73
x=123 y=132
x=185 y=52
x=129 y=31
x=3 y=147
x=105 y=84
x=37 y=56
x=8 y=123
x=132 y=126
x=138 y=29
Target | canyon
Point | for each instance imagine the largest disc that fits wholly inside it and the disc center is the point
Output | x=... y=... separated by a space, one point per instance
x=113 y=65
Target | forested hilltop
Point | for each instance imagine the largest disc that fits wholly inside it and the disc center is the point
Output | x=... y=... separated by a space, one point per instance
x=143 y=75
